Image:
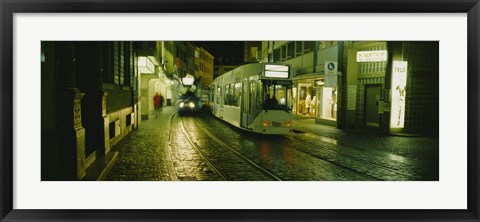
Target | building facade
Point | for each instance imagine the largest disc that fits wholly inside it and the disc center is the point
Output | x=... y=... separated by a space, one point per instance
x=356 y=83
x=312 y=99
x=203 y=66
x=88 y=106
x=203 y=73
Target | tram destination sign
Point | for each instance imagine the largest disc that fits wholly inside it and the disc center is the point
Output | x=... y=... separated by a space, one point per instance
x=372 y=56
x=276 y=71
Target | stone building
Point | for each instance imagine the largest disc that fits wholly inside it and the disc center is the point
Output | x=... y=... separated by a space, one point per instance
x=88 y=105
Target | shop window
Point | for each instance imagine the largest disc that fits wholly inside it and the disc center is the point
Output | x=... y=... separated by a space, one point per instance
x=306 y=99
x=327 y=103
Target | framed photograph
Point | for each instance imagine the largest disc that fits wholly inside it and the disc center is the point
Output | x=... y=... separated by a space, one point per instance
x=255 y=111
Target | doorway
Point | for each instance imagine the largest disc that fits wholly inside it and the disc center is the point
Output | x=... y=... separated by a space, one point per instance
x=372 y=97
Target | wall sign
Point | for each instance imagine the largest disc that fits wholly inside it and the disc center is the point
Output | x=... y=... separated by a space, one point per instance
x=372 y=56
x=330 y=74
x=399 y=87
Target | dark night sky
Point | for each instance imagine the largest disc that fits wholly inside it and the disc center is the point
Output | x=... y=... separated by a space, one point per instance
x=225 y=52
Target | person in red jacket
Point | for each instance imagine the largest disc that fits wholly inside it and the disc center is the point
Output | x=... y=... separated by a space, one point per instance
x=157 y=101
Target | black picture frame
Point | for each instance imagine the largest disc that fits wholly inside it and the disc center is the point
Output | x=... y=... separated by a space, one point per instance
x=9 y=7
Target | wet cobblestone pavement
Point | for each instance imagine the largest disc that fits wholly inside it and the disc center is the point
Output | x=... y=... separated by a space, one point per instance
x=142 y=153
x=203 y=148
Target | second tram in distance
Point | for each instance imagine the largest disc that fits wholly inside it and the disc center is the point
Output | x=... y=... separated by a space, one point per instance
x=254 y=97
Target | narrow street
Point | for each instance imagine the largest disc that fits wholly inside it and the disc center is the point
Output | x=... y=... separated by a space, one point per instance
x=204 y=148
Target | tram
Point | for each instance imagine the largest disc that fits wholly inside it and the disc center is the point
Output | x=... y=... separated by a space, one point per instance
x=256 y=97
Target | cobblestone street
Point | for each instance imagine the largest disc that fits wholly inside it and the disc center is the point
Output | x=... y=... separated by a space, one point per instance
x=203 y=148
x=143 y=153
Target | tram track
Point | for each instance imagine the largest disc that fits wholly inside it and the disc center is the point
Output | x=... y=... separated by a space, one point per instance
x=350 y=162
x=363 y=161
x=209 y=162
x=316 y=157
x=368 y=169
x=245 y=159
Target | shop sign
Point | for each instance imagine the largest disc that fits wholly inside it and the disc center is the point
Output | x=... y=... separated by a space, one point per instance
x=330 y=74
x=372 y=56
x=399 y=86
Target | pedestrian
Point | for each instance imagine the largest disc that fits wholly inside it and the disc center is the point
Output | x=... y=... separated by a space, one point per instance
x=161 y=102
x=156 y=104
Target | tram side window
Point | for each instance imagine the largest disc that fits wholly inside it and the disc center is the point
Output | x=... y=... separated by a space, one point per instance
x=232 y=95
x=252 y=93
x=259 y=94
x=226 y=97
x=237 y=91
x=218 y=95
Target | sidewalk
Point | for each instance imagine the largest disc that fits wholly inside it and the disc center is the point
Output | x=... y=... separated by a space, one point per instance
x=415 y=147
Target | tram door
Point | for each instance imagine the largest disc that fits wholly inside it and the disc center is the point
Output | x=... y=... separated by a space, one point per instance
x=244 y=104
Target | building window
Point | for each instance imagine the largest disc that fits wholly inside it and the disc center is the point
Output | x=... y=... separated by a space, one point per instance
x=284 y=52
x=121 y=62
x=291 y=50
x=116 y=59
x=108 y=74
x=308 y=46
x=128 y=61
x=298 y=48
x=372 y=67
x=276 y=55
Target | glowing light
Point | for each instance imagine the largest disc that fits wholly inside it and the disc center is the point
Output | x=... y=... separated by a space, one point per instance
x=287 y=123
x=182 y=104
x=187 y=80
x=145 y=65
x=266 y=123
x=399 y=93
x=192 y=105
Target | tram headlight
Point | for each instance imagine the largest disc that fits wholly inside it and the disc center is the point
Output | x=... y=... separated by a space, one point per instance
x=192 y=105
x=266 y=123
x=287 y=123
x=181 y=105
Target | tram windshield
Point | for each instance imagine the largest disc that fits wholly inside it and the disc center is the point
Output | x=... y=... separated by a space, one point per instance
x=277 y=94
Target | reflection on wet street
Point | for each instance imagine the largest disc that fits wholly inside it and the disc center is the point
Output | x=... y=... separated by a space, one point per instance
x=204 y=148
